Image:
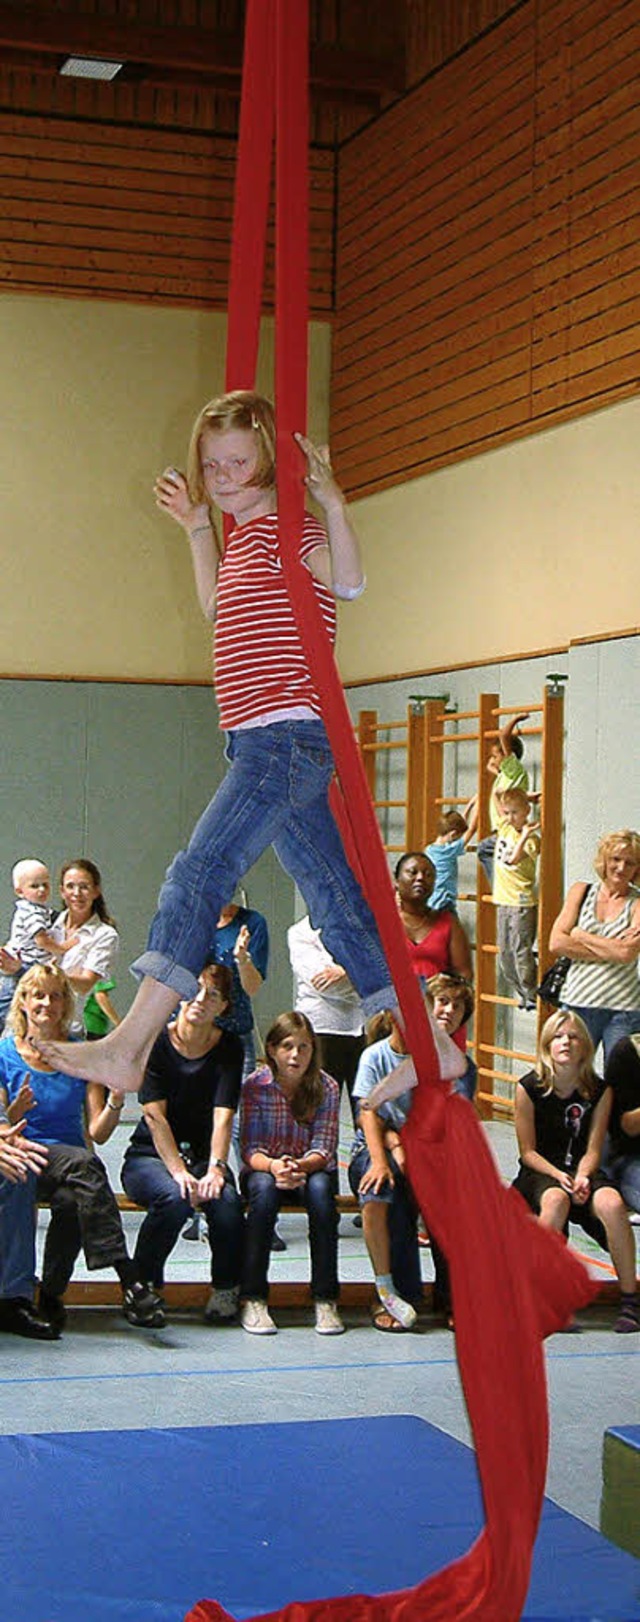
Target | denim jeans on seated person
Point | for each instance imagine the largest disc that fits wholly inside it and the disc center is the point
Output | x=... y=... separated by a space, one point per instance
x=17 y=1238
x=146 y=1180
x=275 y=793
x=317 y=1197
x=402 y=1212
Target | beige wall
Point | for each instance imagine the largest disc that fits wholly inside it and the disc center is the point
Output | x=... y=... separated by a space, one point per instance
x=523 y=548
x=94 y=399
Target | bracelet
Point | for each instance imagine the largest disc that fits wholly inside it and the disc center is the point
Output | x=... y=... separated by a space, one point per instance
x=115 y=1107
x=201 y=529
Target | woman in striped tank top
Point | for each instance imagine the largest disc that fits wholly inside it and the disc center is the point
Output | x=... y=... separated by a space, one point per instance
x=600 y=931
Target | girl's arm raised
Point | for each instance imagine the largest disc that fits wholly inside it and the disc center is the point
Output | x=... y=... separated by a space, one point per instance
x=172 y=497
x=337 y=566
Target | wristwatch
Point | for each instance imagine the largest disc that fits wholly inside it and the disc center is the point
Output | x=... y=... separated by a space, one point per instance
x=221 y=1163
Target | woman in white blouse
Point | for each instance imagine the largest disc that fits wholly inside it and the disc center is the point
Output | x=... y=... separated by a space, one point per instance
x=88 y=930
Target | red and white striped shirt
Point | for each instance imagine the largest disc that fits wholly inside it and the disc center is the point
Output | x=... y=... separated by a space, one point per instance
x=260 y=665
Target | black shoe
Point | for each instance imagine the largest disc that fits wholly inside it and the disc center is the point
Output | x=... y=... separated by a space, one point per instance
x=278 y=1243
x=357 y=1221
x=19 y=1317
x=142 y=1306
x=52 y=1308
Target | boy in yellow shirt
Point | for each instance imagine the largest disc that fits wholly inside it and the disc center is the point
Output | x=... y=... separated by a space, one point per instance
x=515 y=896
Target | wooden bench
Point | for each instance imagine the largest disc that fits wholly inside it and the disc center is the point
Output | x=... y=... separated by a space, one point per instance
x=184 y=1294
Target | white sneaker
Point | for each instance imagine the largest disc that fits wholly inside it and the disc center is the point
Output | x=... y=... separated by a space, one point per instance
x=222 y=1304
x=399 y=1309
x=256 y=1318
x=328 y=1320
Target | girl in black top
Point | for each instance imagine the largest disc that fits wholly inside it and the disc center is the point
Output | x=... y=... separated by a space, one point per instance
x=562 y=1112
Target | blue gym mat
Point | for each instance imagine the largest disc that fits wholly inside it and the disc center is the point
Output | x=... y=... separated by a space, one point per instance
x=135 y=1526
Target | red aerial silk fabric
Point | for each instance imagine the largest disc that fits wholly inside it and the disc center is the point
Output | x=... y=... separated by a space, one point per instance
x=513 y=1282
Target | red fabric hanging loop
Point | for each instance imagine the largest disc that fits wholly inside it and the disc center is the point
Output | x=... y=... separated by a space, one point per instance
x=513 y=1282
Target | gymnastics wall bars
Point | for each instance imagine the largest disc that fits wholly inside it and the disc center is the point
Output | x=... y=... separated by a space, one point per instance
x=433 y=746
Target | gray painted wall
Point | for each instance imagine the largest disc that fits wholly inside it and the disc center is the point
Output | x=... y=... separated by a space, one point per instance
x=119 y=772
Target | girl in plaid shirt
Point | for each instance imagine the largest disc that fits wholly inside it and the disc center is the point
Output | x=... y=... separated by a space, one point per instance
x=288 y=1142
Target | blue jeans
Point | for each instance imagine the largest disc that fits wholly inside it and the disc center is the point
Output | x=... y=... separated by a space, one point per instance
x=146 y=1180
x=624 y=1172
x=403 y=1224
x=608 y=1025
x=17 y=1238
x=264 y=1201
x=275 y=793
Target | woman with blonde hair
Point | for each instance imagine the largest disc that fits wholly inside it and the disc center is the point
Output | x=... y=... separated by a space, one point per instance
x=598 y=928
x=562 y=1112
x=62 y=1113
x=288 y=1143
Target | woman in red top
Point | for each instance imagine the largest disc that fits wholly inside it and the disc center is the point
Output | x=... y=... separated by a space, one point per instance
x=437 y=941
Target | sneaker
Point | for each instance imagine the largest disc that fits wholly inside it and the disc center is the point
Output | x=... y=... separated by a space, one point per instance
x=52 y=1308
x=222 y=1304
x=401 y=1310
x=256 y=1318
x=328 y=1320
x=141 y=1305
x=628 y=1320
x=278 y=1243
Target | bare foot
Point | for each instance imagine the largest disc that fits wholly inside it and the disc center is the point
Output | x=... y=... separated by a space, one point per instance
x=106 y=1061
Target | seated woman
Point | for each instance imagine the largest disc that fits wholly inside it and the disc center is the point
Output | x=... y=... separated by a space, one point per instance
x=561 y=1114
x=20 y=1163
x=451 y=999
x=58 y=1110
x=622 y=1153
x=437 y=941
x=390 y=1215
x=377 y=1177
x=288 y=1143
x=176 y=1161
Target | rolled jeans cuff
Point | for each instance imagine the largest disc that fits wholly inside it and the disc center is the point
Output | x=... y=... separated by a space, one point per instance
x=156 y=966
x=386 y=997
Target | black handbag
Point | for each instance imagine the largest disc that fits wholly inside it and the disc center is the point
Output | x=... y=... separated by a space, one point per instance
x=553 y=979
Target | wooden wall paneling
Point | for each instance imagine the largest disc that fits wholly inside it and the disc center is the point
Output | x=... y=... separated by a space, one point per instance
x=436 y=29
x=477 y=299
x=140 y=214
x=587 y=270
x=467 y=233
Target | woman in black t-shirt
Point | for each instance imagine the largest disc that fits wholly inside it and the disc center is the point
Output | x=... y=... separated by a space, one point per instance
x=561 y=1113
x=176 y=1161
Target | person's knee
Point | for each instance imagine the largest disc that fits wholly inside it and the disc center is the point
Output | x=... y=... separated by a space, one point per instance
x=609 y=1206
x=320 y=1195
x=261 y=1192
x=554 y=1207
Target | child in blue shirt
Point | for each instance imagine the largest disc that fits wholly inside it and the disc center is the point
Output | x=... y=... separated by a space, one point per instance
x=449 y=845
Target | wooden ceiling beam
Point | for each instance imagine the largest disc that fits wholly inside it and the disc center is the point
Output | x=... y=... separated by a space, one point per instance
x=175 y=50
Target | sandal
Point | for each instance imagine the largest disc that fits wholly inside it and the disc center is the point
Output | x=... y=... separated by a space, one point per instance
x=381 y=1319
